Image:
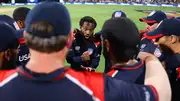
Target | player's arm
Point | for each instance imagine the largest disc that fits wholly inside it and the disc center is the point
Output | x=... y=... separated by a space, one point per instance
x=156 y=88
x=117 y=90
x=71 y=57
x=95 y=59
x=156 y=76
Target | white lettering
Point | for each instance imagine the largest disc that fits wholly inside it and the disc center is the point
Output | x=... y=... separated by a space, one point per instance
x=24 y=57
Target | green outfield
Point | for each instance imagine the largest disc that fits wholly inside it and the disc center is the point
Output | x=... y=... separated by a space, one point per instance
x=100 y=13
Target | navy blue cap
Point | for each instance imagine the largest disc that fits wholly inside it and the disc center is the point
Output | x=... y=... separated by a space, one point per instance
x=165 y=28
x=8 y=39
x=154 y=17
x=118 y=14
x=10 y=21
x=178 y=17
x=53 y=13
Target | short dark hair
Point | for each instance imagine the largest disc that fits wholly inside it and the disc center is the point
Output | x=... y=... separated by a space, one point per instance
x=20 y=13
x=88 y=19
x=45 y=45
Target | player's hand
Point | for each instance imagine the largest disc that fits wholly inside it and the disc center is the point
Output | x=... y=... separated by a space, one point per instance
x=75 y=31
x=85 y=57
x=142 y=31
x=86 y=53
x=146 y=56
x=88 y=69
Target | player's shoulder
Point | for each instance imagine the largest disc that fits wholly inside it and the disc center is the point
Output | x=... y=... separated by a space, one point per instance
x=85 y=74
x=145 y=40
x=92 y=81
x=4 y=74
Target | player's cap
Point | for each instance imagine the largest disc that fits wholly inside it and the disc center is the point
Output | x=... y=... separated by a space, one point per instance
x=53 y=13
x=165 y=28
x=154 y=17
x=122 y=29
x=178 y=17
x=8 y=39
x=10 y=21
x=118 y=14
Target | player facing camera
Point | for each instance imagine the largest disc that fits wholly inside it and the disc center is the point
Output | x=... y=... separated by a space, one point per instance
x=83 y=54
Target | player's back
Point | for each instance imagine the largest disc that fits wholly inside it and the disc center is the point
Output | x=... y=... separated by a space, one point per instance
x=61 y=85
x=69 y=85
x=131 y=73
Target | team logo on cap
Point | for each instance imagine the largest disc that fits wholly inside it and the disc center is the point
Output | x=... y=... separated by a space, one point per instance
x=77 y=48
x=143 y=46
x=152 y=13
x=118 y=14
x=157 y=52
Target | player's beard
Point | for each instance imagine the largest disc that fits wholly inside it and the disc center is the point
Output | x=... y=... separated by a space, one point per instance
x=9 y=64
x=105 y=52
x=166 y=49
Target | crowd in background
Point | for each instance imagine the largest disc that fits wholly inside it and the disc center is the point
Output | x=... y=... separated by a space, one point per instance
x=128 y=1
x=122 y=1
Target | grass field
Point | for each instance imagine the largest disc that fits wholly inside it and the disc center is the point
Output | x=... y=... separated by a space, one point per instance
x=100 y=13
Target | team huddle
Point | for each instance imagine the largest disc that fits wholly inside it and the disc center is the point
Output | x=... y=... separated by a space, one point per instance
x=140 y=65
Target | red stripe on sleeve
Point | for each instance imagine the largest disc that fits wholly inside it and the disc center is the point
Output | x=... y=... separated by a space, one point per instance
x=111 y=73
x=155 y=92
x=178 y=72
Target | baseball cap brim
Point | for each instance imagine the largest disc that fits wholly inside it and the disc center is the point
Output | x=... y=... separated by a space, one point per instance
x=153 y=35
x=147 y=20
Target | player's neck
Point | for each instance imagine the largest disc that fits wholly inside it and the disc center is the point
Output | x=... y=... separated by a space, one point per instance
x=130 y=62
x=45 y=63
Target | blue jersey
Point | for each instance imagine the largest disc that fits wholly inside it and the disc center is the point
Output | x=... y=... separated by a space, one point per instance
x=79 y=46
x=69 y=85
x=23 y=49
x=148 y=46
x=132 y=74
x=172 y=63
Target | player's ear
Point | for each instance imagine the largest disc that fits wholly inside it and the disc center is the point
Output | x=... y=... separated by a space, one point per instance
x=7 y=54
x=107 y=44
x=70 y=39
x=173 y=39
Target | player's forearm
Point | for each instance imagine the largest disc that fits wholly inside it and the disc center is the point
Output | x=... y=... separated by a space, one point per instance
x=156 y=76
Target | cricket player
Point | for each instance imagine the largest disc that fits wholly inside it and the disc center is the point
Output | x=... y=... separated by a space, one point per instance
x=115 y=14
x=125 y=65
x=8 y=49
x=45 y=78
x=152 y=20
x=83 y=53
x=167 y=36
x=19 y=15
x=10 y=21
